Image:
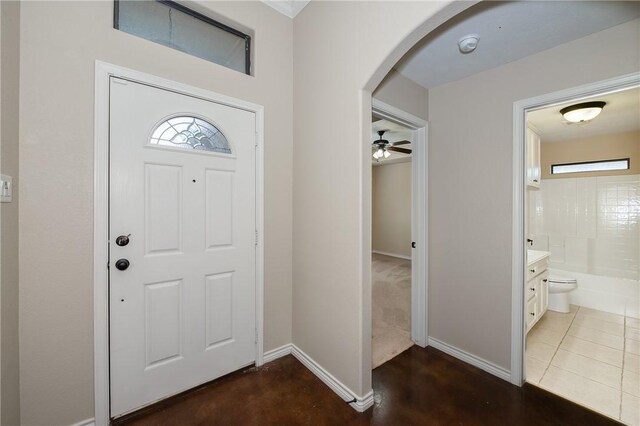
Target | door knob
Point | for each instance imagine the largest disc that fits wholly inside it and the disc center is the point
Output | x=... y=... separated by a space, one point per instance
x=123 y=240
x=122 y=264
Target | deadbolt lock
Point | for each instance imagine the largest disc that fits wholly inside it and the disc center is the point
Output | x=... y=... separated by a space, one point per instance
x=123 y=240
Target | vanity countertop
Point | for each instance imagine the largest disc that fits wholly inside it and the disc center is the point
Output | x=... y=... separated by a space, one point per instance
x=535 y=255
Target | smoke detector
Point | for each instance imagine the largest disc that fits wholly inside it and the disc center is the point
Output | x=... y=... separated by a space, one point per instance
x=468 y=43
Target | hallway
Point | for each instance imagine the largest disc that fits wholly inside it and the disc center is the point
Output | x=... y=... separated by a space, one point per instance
x=419 y=387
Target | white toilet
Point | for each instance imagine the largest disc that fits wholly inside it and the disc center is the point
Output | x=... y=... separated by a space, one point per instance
x=559 y=288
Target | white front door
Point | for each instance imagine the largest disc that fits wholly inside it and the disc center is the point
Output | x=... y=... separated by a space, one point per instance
x=182 y=188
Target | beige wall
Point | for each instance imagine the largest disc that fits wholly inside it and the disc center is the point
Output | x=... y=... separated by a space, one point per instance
x=604 y=147
x=391 y=208
x=471 y=175
x=60 y=42
x=400 y=92
x=391 y=184
x=9 y=98
x=331 y=305
x=332 y=231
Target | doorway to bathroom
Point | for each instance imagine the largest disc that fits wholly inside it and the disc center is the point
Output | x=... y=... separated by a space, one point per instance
x=580 y=193
x=398 y=262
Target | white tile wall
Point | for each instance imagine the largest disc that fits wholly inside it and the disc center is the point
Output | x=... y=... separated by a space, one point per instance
x=587 y=201
x=590 y=225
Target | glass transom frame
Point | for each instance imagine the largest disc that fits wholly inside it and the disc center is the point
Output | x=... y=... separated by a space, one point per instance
x=190 y=133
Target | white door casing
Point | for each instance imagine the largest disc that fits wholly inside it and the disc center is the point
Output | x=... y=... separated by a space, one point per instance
x=184 y=311
x=519 y=190
x=419 y=215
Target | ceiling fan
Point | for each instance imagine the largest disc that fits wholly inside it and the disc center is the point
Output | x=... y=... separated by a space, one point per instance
x=382 y=147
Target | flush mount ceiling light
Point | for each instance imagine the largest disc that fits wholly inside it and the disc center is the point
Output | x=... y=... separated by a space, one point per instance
x=468 y=43
x=582 y=112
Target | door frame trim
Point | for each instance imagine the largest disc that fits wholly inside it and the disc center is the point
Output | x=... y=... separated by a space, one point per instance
x=103 y=72
x=419 y=214
x=520 y=108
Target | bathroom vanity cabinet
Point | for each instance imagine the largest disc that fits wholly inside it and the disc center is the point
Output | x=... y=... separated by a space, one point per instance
x=536 y=287
x=534 y=171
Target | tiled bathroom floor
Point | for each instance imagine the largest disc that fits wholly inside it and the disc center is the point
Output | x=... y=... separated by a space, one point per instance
x=590 y=357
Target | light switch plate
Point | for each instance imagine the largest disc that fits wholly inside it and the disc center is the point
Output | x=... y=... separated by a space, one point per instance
x=6 y=188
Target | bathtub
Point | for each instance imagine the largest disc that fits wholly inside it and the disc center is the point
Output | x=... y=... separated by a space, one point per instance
x=615 y=295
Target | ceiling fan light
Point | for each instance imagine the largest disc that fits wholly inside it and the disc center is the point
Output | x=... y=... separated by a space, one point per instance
x=378 y=154
x=387 y=154
x=582 y=112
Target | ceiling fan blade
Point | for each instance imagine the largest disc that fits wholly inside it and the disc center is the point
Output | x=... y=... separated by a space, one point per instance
x=401 y=143
x=402 y=150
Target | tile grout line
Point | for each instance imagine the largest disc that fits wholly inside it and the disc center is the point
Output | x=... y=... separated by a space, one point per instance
x=619 y=416
x=624 y=350
x=599 y=330
x=624 y=360
x=559 y=344
x=624 y=336
x=597 y=344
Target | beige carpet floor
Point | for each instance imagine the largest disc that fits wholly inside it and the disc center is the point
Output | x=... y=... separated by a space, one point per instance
x=391 y=311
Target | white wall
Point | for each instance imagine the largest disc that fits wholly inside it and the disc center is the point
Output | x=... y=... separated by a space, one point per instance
x=589 y=224
x=391 y=208
x=60 y=42
x=471 y=175
x=9 y=83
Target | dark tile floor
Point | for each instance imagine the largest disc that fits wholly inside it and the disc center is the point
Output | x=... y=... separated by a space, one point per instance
x=418 y=387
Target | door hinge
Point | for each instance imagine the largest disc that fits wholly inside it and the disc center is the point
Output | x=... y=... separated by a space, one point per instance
x=256 y=139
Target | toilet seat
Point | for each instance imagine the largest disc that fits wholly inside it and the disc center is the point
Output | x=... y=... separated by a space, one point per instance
x=562 y=280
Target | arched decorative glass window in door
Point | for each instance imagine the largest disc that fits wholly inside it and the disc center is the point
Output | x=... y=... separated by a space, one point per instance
x=188 y=132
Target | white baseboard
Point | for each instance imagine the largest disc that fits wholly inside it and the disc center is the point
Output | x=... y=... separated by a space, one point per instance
x=384 y=253
x=87 y=422
x=482 y=364
x=360 y=404
x=276 y=353
x=363 y=404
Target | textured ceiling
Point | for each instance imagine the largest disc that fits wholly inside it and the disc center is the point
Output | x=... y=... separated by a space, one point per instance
x=508 y=31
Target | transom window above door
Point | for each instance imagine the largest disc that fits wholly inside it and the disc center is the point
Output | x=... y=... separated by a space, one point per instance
x=188 y=132
x=179 y=27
